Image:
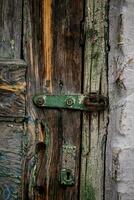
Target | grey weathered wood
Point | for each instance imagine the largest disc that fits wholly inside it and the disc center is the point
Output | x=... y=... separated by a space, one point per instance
x=95 y=80
x=12 y=99
x=11 y=140
x=12 y=88
x=10 y=29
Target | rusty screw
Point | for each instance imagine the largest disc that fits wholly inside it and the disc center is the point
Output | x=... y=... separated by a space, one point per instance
x=40 y=101
x=69 y=102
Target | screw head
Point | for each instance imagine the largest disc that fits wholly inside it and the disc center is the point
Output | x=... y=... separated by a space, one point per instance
x=69 y=102
x=40 y=101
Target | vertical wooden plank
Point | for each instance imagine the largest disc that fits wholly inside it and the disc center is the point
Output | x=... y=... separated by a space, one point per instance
x=67 y=63
x=10 y=29
x=95 y=80
x=33 y=44
x=55 y=65
x=64 y=127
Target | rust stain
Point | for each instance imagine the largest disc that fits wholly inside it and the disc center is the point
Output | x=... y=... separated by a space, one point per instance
x=47 y=41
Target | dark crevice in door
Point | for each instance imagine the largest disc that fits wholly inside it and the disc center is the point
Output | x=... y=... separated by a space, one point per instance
x=22 y=32
x=107 y=48
x=82 y=87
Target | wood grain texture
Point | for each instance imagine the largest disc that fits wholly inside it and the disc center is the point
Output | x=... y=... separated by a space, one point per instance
x=47 y=41
x=10 y=29
x=95 y=80
x=62 y=73
x=11 y=140
x=33 y=43
x=12 y=89
x=66 y=78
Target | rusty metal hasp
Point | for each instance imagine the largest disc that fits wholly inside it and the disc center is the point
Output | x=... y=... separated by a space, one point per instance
x=91 y=102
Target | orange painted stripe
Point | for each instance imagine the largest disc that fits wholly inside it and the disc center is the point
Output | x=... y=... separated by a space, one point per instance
x=47 y=41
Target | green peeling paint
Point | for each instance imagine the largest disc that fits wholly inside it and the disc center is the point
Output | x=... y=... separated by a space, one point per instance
x=76 y=102
x=62 y=101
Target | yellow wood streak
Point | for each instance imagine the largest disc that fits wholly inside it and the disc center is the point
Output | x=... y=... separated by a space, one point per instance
x=13 y=88
x=47 y=41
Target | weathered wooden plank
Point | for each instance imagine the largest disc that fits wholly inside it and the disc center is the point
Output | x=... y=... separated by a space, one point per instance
x=12 y=89
x=95 y=80
x=10 y=29
x=33 y=42
x=11 y=140
x=66 y=78
x=57 y=70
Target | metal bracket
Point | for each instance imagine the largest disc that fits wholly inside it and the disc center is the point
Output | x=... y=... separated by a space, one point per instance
x=91 y=102
x=67 y=173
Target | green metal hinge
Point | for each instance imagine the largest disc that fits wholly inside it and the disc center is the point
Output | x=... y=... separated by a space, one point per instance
x=91 y=102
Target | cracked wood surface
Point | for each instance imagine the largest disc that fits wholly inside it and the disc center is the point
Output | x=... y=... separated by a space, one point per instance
x=94 y=128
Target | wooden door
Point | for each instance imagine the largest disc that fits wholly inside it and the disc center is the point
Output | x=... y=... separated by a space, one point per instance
x=42 y=52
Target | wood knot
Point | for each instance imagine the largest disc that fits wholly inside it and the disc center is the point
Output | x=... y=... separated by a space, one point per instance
x=40 y=147
x=39 y=189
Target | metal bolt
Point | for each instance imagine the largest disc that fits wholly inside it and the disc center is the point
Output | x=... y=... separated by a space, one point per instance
x=40 y=101
x=69 y=102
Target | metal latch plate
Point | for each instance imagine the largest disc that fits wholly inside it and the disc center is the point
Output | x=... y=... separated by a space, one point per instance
x=68 y=162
